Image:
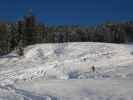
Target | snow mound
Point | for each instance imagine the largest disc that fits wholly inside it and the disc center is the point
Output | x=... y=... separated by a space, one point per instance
x=64 y=72
x=67 y=61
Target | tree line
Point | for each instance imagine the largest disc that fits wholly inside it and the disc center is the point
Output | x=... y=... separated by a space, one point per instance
x=28 y=31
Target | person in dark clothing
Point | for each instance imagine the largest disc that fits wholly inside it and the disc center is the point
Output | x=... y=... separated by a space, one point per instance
x=20 y=51
x=93 y=68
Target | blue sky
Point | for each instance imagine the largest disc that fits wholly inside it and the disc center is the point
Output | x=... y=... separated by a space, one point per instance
x=68 y=12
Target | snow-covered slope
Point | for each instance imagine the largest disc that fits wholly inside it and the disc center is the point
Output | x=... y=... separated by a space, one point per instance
x=64 y=62
x=69 y=90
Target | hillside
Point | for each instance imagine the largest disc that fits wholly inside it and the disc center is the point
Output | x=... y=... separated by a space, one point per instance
x=55 y=68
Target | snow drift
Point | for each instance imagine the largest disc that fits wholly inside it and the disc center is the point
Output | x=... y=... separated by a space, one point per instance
x=65 y=61
x=53 y=66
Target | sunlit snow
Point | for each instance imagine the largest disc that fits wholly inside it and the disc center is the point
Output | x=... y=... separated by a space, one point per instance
x=64 y=72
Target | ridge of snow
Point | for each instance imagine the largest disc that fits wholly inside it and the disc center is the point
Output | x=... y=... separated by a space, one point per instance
x=64 y=61
x=68 y=63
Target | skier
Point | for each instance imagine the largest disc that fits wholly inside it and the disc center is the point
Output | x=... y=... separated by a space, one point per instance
x=93 y=68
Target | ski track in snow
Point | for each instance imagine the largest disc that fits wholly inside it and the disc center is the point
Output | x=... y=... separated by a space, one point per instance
x=68 y=63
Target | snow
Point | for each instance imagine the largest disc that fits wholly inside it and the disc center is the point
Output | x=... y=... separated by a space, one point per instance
x=63 y=72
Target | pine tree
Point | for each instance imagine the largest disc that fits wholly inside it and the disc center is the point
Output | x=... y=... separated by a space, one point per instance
x=29 y=29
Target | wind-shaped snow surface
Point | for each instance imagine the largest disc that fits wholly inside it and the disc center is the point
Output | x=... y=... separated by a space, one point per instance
x=64 y=62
